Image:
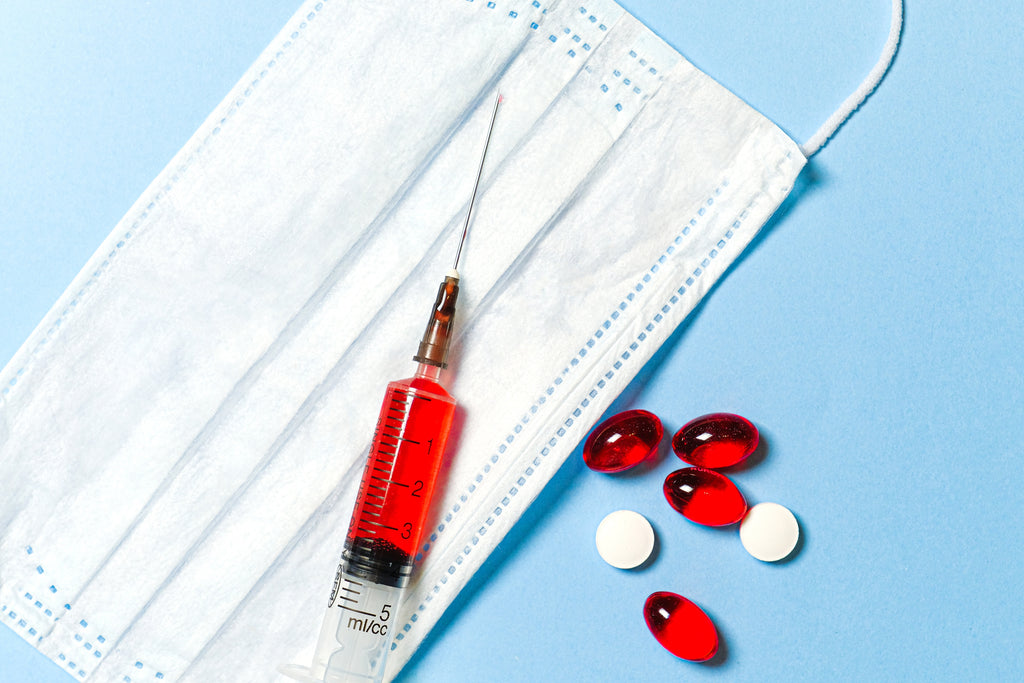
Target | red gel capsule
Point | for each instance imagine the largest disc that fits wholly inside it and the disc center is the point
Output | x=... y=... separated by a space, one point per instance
x=622 y=441
x=705 y=496
x=681 y=627
x=716 y=440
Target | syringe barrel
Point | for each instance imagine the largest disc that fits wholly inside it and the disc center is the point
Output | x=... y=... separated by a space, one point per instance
x=398 y=480
x=385 y=533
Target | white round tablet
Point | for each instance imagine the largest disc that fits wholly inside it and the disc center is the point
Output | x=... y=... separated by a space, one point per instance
x=625 y=539
x=769 y=532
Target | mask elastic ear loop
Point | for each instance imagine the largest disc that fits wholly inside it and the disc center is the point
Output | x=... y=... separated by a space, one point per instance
x=828 y=129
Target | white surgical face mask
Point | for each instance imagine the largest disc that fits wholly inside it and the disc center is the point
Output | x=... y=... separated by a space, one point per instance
x=181 y=438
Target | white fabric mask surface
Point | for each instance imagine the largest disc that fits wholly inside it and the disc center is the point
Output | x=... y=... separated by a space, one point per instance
x=181 y=438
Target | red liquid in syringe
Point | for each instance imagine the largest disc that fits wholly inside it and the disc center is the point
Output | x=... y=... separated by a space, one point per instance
x=393 y=501
x=401 y=471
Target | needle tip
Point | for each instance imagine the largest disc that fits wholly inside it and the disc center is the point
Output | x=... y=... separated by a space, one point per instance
x=501 y=98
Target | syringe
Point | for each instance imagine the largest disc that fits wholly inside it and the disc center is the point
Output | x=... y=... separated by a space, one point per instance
x=393 y=500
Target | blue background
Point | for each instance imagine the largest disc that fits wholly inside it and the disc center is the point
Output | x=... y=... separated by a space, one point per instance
x=872 y=332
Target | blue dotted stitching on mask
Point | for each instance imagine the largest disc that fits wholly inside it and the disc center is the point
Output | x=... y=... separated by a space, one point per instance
x=631 y=85
x=161 y=193
x=583 y=405
x=514 y=14
x=39 y=604
x=82 y=637
x=589 y=30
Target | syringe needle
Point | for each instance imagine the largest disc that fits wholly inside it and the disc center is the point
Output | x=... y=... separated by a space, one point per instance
x=479 y=172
